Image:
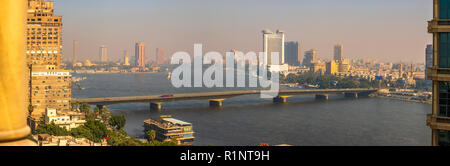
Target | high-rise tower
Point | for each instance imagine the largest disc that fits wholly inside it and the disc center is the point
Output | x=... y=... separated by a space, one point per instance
x=140 y=54
x=339 y=53
x=273 y=42
x=103 y=54
x=439 y=120
x=75 y=53
x=49 y=86
x=44 y=37
x=293 y=53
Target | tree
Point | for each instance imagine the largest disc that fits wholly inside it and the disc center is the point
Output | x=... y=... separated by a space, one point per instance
x=117 y=121
x=52 y=129
x=150 y=135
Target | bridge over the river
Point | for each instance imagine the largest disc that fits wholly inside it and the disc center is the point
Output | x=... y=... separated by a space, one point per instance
x=215 y=98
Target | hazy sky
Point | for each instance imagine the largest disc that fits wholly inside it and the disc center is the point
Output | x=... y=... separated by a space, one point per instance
x=386 y=30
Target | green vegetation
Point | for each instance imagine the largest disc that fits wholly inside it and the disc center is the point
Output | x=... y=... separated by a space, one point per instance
x=117 y=121
x=325 y=81
x=100 y=125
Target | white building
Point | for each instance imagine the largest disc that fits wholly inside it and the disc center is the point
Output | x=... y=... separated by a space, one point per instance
x=67 y=120
x=274 y=43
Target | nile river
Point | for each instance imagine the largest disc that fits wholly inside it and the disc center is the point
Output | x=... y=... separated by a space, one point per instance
x=249 y=120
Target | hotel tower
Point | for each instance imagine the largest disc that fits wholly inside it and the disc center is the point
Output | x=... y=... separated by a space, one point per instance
x=439 y=73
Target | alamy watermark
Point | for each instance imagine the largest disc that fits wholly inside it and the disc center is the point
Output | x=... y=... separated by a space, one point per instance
x=235 y=61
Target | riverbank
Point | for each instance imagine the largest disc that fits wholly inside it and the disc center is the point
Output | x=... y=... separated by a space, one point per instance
x=404 y=99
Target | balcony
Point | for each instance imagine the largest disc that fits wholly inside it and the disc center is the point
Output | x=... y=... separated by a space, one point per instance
x=439 y=123
x=438 y=74
x=439 y=25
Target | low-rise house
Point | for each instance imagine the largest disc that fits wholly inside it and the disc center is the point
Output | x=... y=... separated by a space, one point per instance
x=67 y=119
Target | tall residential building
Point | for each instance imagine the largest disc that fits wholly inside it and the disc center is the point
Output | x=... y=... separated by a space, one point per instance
x=51 y=89
x=292 y=53
x=49 y=86
x=428 y=58
x=140 y=54
x=103 y=54
x=310 y=58
x=339 y=53
x=273 y=42
x=75 y=52
x=43 y=34
x=439 y=120
x=126 y=60
x=160 y=57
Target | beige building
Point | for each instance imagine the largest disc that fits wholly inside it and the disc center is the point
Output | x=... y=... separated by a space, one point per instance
x=344 y=66
x=51 y=88
x=140 y=55
x=44 y=39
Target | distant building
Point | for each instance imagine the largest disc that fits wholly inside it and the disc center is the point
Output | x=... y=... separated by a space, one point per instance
x=273 y=42
x=75 y=53
x=126 y=60
x=140 y=54
x=168 y=128
x=332 y=67
x=344 y=66
x=310 y=58
x=339 y=53
x=428 y=58
x=292 y=53
x=160 y=56
x=103 y=54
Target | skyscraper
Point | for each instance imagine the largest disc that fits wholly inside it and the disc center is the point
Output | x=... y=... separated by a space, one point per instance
x=428 y=58
x=49 y=85
x=126 y=61
x=310 y=58
x=439 y=120
x=339 y=53
x=273 y=42
x=293 y=53
x=103 y=54
x=160 y=57
x=140 y=54
x=75 y=52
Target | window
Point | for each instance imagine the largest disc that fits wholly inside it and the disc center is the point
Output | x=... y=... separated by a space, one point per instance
x=444 y=11
x=444 y=138
x=444 y=50
x=444 y=99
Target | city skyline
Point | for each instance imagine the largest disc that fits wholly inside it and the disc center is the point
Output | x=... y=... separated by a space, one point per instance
x=219 y=28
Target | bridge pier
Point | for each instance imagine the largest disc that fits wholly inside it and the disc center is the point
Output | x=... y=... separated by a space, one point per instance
x=321 y=97
x=155 y=106
x=351 y=95
x=280 y=99
x=216 y=103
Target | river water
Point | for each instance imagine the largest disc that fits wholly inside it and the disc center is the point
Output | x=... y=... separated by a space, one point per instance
x=249 y=120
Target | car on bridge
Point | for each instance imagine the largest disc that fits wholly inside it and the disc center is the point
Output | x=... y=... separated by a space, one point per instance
x=166 y=96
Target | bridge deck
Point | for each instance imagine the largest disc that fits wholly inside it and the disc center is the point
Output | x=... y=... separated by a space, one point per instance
x=212 y=95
